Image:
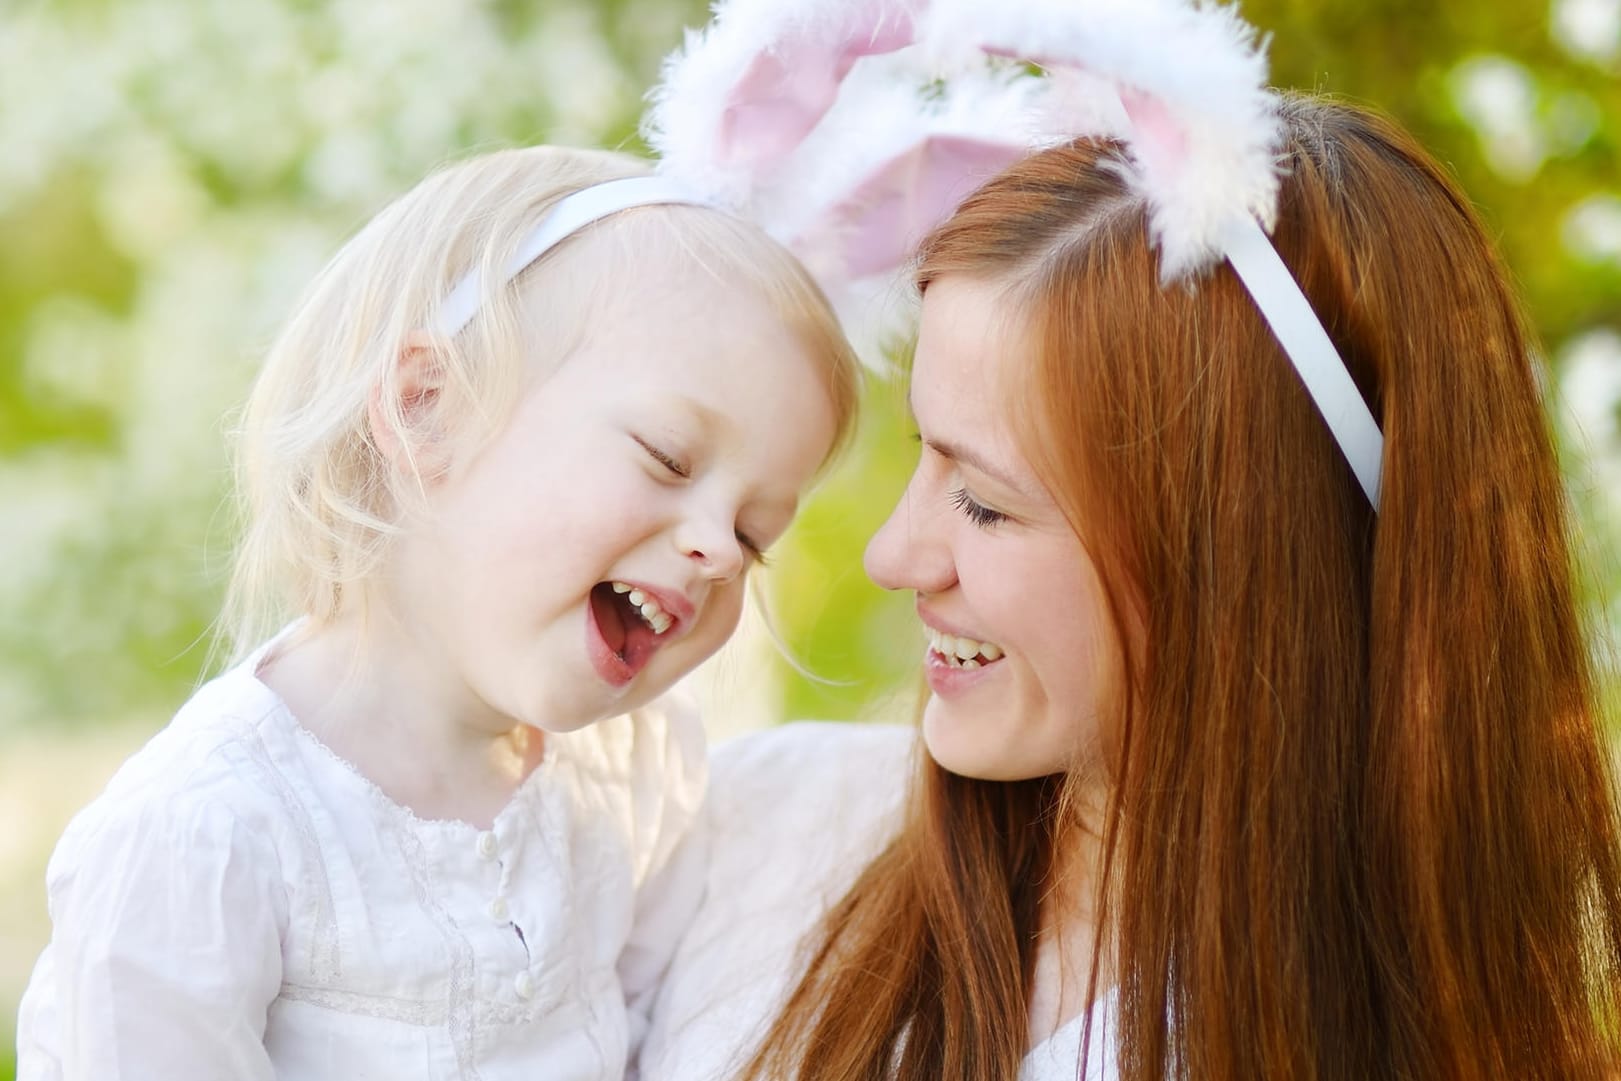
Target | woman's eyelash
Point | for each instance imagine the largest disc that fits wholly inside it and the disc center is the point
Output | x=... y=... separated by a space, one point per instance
x=663 y=459
x=981 y=516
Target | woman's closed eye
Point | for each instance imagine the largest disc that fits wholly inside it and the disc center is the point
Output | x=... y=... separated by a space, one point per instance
x=977 y=513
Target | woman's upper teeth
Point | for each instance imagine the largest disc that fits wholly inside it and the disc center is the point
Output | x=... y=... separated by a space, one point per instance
x=647 y=605
x=964 y=652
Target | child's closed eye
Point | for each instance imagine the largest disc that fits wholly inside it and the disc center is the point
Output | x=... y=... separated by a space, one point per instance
x=753 y=550
x=668 y=461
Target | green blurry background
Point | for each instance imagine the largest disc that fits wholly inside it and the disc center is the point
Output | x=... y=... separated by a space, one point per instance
x=173 y=171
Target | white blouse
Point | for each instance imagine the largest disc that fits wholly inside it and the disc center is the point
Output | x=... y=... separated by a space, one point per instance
x=241 y=903
x=794 y=816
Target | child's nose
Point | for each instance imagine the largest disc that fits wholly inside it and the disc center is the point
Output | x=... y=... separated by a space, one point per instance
x=712 y=543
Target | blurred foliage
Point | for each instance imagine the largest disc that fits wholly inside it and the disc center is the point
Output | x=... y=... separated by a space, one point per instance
x=175 y=170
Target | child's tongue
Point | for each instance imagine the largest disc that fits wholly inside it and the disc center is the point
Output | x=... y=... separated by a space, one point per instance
x=610 y=617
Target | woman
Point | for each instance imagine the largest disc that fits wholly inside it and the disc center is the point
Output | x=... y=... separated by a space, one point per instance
x=1251 y=780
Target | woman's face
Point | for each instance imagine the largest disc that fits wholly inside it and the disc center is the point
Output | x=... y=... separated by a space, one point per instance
x=999 y=574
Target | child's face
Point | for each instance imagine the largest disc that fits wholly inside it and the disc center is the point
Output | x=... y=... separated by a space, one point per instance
x=662 y=454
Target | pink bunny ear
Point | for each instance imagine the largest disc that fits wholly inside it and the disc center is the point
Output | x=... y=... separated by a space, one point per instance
x=785 y=91
x=742 y=96
x=1157 y=142
x=874 y=228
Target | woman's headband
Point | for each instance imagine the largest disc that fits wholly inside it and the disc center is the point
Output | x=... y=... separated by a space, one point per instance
x=849 y=129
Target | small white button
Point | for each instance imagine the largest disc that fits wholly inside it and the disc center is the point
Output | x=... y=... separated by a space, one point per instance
x=486 y=845
x=498 y=910
x=524 y=985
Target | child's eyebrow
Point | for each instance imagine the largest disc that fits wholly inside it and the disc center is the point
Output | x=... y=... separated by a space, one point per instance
x=707 y=416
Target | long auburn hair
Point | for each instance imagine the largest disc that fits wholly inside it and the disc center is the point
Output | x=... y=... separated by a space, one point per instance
x=1361 y=821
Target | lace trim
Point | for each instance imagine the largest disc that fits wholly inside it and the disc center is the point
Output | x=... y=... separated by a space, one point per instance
x=386 y=1007
x=326 y=958
x=459 y=1018
x=405 y=817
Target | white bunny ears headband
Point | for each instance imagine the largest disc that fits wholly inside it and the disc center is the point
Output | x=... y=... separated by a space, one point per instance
x=850 y=128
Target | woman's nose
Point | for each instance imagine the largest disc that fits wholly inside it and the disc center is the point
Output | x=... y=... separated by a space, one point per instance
x=910 y=551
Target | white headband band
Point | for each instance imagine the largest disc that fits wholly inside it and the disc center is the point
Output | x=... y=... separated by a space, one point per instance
x=573 y=213
x=1309 y=349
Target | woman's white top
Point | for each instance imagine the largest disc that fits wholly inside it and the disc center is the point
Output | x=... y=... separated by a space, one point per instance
x=793 y=817
x=241 y=903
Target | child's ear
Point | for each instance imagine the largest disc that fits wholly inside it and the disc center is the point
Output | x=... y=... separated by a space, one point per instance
x=403 y=411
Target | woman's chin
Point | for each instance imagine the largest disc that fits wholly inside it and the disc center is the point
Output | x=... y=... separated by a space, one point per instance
x=971 y=744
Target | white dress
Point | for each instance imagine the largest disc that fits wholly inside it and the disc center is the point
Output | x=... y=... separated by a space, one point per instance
x=241 y=903
x=794 y=816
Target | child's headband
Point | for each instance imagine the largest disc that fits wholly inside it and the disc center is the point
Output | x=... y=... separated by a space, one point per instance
x=850 y=128
x=571 y=214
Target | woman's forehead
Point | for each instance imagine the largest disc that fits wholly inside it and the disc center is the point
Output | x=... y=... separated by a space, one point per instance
x=968 y=347
x=970 y=337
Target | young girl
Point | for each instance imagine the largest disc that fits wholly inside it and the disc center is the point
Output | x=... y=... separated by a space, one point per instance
x=435 y=828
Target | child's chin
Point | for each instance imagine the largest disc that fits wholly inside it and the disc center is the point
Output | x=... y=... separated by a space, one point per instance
x=649 y=683
x=558 y=718
x=640 y=693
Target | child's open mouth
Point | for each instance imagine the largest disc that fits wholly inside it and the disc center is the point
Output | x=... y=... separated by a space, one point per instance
x=625 y=628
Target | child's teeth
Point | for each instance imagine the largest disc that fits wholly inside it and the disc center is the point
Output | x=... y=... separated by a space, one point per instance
x=990 y=652
x=646 y=606
x=967 y=649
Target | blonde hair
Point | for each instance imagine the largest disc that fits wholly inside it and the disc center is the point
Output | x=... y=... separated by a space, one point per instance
x=317 y=499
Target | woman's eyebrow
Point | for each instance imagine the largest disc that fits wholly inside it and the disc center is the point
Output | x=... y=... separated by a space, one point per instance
x=957 y=453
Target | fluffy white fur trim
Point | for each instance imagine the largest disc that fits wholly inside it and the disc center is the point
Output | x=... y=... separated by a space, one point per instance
x=1191 y=66
x=1199 y=61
